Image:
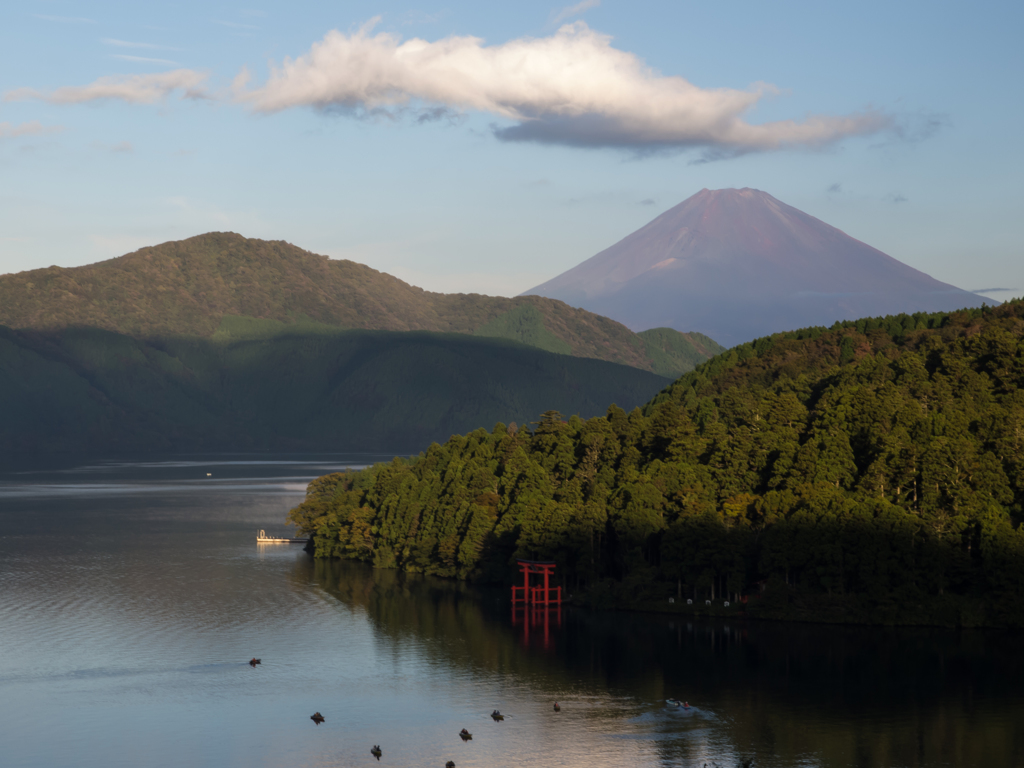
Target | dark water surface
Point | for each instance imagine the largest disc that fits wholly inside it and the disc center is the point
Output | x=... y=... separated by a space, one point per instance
x=133 y=593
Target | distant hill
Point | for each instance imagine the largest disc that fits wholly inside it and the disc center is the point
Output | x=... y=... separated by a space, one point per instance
x=737 y=264
x=208 y=284
x=264 y=387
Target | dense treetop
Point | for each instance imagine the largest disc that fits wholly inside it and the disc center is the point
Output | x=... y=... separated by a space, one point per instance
x=191 y=287
x=870 y=471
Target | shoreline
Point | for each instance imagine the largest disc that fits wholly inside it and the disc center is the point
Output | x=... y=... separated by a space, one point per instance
x=953 y=613
x=944 y=612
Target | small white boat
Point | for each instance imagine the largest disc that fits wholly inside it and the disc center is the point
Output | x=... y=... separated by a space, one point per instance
x=677 y=703
x=262 y=538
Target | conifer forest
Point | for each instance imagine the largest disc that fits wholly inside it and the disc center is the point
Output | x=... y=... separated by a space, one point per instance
x=868 y=472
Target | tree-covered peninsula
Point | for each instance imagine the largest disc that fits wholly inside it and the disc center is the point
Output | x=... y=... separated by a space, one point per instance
x=872 y=471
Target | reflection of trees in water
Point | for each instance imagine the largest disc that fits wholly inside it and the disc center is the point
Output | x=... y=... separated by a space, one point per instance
x=856 y=696
x=778 y=692
x=408 y=607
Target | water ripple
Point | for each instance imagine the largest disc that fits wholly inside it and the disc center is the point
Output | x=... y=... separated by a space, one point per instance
x=132 y=596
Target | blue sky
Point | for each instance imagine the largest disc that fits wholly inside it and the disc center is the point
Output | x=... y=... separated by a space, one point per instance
x=476 y=147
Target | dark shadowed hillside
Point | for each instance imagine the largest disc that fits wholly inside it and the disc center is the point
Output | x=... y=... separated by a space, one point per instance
x=737 y=264
x=263 y=388
x=190 y=287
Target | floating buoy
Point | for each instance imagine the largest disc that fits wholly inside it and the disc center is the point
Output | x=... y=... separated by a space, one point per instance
x=317 y=718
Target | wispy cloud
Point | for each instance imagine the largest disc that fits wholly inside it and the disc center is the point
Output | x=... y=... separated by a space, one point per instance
x=919 y=126
x=144 y=59
x=130 y=44
x=572 y=88
x=994 y=290
x=896 y=197
x=647 y=201
x=235 y=25
x=34 y=128
x=133 y=89
x=912 y=128
x=835 y=188
x=64 y=19
x=574 y=10
x=438 y=114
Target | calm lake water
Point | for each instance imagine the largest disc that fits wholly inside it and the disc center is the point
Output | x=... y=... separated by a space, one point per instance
x=132 y=594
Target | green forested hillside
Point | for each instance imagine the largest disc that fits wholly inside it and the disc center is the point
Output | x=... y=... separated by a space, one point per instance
x=873 y=471
x=190 y=287
x=255 y=386
x=672 y=353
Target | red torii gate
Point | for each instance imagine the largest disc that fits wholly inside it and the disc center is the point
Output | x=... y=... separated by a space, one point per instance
x=537 y=596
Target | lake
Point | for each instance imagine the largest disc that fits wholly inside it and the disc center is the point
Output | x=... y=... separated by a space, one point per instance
x=133 y=594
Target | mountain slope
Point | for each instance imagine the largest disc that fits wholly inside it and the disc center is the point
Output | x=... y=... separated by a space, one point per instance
x=262 y=388
x=737 y=264
x=188 y=287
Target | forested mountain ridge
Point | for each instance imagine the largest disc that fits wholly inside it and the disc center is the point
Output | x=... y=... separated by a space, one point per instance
x=872 y=471
x=191 y=287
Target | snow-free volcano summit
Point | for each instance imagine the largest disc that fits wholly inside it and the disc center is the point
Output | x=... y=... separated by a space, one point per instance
x=736 y=264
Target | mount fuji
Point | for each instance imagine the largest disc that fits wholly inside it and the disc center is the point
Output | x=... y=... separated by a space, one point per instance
x=737 y=264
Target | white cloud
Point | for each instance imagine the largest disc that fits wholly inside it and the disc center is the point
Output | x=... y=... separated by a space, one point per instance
x=241 y=81
x=574 y=10
x=133 y=89
x=571 y=88
x=35 y=128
